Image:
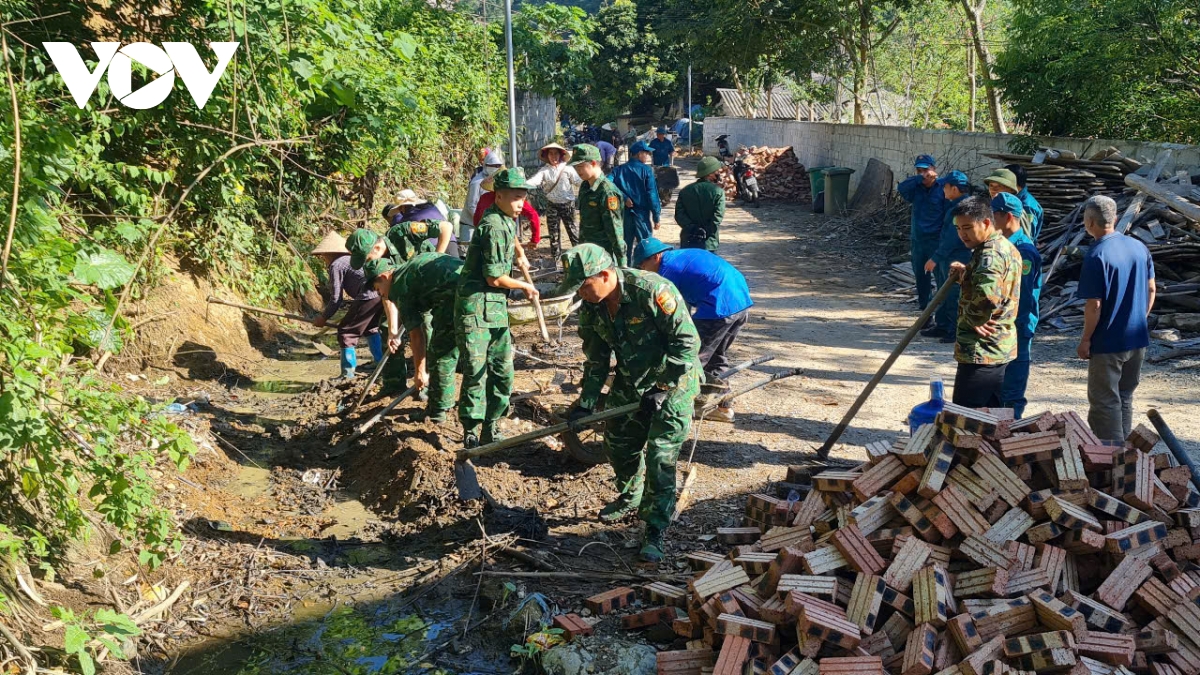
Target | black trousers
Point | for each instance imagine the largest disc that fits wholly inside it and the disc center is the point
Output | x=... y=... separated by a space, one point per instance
x=716 y=336
x=362 y=318
x=979 y=386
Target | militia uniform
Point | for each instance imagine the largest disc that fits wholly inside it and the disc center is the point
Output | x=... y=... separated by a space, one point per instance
x=925 y=225
x=656 y=349
x=423 y=290
x=1016 y=375
x=601 y=208
x=481 y=319
x=360 y=243
x=991 y=286
x=700 y=209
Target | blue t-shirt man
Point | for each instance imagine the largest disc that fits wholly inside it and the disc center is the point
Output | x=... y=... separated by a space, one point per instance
x=662 y=148
x=707 y=282
x=1118 y=271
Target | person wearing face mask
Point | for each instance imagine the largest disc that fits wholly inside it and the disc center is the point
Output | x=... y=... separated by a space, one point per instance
x=493 y=161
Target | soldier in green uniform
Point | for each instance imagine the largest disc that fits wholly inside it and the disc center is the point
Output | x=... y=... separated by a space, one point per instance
x=986 y=334
x=418 y=292
x=701 y=208
x=481 y=311
x=601 y=204
x=413 y=222
x=640 y=318
x=364 y=246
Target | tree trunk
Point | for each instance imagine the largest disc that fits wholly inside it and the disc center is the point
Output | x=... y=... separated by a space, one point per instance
x=860 y=59
x=974 y=87
x=975 y=19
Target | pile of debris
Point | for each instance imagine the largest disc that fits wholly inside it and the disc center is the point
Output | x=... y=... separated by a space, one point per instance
x=1061 y=180
x=780 y=175
x=979 y=545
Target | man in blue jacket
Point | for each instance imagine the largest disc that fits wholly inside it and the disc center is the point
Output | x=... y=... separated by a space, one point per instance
x=643 y=210
x=950 y=249
x=1030 y=206
x=717 y=294
x=663 y=148
x=928 y=211
x=1008 y=211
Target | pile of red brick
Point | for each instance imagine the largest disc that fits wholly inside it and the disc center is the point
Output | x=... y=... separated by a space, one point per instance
x=979 y=546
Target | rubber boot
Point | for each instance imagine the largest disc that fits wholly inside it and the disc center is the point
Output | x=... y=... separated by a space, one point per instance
x=349 y=362
x=652 y=545
x=375 y=344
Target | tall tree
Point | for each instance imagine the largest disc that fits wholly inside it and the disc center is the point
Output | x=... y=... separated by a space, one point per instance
x=860 y=27
x=554 y=51
x=984 y=61
x=1115 y=68
x=630 y=63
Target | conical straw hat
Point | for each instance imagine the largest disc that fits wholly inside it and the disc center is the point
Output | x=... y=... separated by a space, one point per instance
x=332 y=243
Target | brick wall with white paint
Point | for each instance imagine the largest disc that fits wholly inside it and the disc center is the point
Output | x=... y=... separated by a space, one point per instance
x=824 y=144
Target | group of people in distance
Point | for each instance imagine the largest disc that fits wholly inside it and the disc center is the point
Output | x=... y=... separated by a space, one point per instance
x=984 y=248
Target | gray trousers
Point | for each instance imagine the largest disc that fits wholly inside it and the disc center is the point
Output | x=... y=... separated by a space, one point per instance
x=1112 y=378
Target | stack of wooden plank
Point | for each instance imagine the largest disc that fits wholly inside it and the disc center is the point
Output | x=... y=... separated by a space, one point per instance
x=1061 y=181
x=979 y=545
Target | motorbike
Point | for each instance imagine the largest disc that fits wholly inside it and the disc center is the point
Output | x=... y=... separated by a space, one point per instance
x=747 y=182
x=723 y=151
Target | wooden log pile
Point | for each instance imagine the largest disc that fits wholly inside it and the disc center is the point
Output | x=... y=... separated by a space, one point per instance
x=780 y=175
x=980 y=545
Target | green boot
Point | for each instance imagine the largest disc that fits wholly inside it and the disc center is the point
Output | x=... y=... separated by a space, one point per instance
x=470 y=440
x=652 y=545
x=617 y=509
x=491 y=433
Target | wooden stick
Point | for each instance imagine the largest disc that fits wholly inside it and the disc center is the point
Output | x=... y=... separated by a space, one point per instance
x=537 y=306
x=261 y=310
x=374 y=376
x=520 y=439
x=938 y=299
x=374 y=419
x=147 y=614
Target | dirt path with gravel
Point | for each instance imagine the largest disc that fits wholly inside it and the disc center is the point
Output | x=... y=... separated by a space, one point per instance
x=821 y=305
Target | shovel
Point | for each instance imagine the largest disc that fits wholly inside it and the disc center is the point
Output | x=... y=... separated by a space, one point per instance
x=537 y=306
x=371 y=382
x=325 y=351
x=345 y=445
x=467 y=480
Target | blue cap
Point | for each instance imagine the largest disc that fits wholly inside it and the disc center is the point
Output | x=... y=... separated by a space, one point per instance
x=647 y=248
x=1007 y=203
x=640 y=146
x=661 y=130
x=924 y=162
x=956 y=178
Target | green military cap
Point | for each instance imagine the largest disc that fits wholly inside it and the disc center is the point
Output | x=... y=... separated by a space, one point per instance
x=583 y=261
x=510 y=179
x=376 y=267
x=1003 y=177
x=707 y=167
x=359 y=244
x=585 y=152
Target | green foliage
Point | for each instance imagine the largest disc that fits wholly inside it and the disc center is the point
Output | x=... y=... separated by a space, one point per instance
x=1113 y=68
x=630 y=65
x=336 y=101
x=86 y=636
x=554 y=50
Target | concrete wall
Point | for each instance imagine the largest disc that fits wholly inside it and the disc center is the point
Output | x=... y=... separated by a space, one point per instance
x=826 y=144
x=537 y=125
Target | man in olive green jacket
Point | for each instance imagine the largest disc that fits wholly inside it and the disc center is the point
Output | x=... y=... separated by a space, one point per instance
x=701 y=208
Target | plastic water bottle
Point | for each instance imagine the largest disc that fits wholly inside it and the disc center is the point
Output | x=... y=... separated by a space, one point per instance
x=927 y=412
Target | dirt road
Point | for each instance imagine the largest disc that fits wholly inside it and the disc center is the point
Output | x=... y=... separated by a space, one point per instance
x=820 y=305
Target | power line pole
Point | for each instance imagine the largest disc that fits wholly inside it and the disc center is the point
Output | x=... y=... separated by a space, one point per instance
x=689 y=110
x=512 y=87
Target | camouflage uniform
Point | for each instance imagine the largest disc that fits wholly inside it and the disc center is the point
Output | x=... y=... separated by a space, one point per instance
x=601 y=209
x=395 y=371
x=656 y=346
x=481 y=323
x=991 y=289
x=410 y=237
x=423 y=290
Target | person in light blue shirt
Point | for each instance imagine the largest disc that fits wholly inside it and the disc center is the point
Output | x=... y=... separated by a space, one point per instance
x=715 y=291
x=1008 y=209
x=1029 y=205
x=928 y=213
x=1117 y=281
x=663 y=148
x=955 y=187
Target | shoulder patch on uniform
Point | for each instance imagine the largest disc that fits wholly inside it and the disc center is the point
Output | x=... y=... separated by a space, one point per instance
x=419 y=227
x=1026 y=267
x=665 y=301
x=613 y=203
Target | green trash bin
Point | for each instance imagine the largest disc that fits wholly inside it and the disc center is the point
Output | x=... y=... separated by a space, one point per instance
x=837 y=194
x=816 y=181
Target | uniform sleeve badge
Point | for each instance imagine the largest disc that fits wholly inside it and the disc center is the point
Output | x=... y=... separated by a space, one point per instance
x=613 y=203
x=1026 y=268
x=420 y=229
x=665 y=301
